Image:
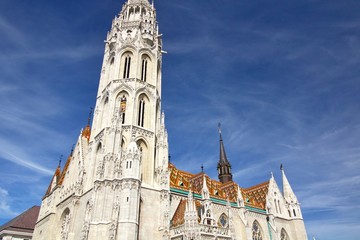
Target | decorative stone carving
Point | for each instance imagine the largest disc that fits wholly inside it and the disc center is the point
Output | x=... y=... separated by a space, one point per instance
x=65 y=227
x=112 y=231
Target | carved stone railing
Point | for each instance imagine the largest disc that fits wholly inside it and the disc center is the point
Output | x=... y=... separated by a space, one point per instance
x=179 y=230
x=219 y=231
x=208 y=230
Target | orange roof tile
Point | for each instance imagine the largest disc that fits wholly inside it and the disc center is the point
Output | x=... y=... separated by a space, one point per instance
x=63 y=174
x=254 y=196
x=179 y=215
x=55 y=176
x=86 y=132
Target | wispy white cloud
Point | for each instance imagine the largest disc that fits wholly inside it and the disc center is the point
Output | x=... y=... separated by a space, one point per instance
x=12 y=33
x=5 y=204
x=16 y=155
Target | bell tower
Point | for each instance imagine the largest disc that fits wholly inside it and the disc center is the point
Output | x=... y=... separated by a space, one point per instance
x=128 y=103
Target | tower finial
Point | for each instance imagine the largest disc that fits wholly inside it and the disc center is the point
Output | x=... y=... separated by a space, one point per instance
x=219 y=129
x=90 y=113
x=202 y=168
x=60 y=159
x=281 y=167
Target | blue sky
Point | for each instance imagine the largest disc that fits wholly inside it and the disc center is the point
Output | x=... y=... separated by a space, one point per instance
x=282 y=77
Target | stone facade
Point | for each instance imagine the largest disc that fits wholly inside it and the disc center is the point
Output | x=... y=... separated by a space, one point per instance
x=118 y=184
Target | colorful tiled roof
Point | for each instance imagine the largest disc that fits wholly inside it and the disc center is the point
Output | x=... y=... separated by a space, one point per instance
x=55 y=177
x=254 y=196
x=86 y=132
x=25 y=222
x=63 y=174
x=179 y=215
x=59 y=175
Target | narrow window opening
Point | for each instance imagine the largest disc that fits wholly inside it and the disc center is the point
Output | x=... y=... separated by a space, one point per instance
x=123 y=108
x=279 y=206
x=127 y=199
x=141 y=113
x=127 y=67
x=144 y=70
x=294 y=212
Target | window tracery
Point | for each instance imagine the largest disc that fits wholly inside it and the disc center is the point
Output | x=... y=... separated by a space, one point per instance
x=223 y=220
x=65 y=224
x=256 y=231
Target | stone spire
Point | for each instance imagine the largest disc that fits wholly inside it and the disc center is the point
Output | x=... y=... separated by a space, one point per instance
x=224 y=167
x=289 y=194
x=205 y=191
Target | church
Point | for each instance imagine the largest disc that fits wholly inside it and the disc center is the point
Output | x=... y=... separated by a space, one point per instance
x=118 y=183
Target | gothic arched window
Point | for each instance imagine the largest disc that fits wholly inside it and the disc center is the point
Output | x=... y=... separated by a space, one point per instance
x=284 y=235
x=65 y=224
x=99 y=148
x=256 y=231
x=141 y=112
x=127 y=66
x=123 y=108
x=144 y=69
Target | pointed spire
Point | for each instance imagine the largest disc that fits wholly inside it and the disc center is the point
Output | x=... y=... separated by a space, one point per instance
x=223 y=158
x=224 y=167
x=205 y=190
x=240 y=198
x=289 y=194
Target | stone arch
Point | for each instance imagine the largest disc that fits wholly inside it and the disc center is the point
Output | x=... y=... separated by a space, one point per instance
x=65 y=223
x=131 y=15
x=284 y=235
x=143 y=113
x=145 y=68
x=104 y=103
x=126 y=63
x=257 y=233
x=144 y=90
x=143 y=146
x=111 y=57
x=122 y=103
